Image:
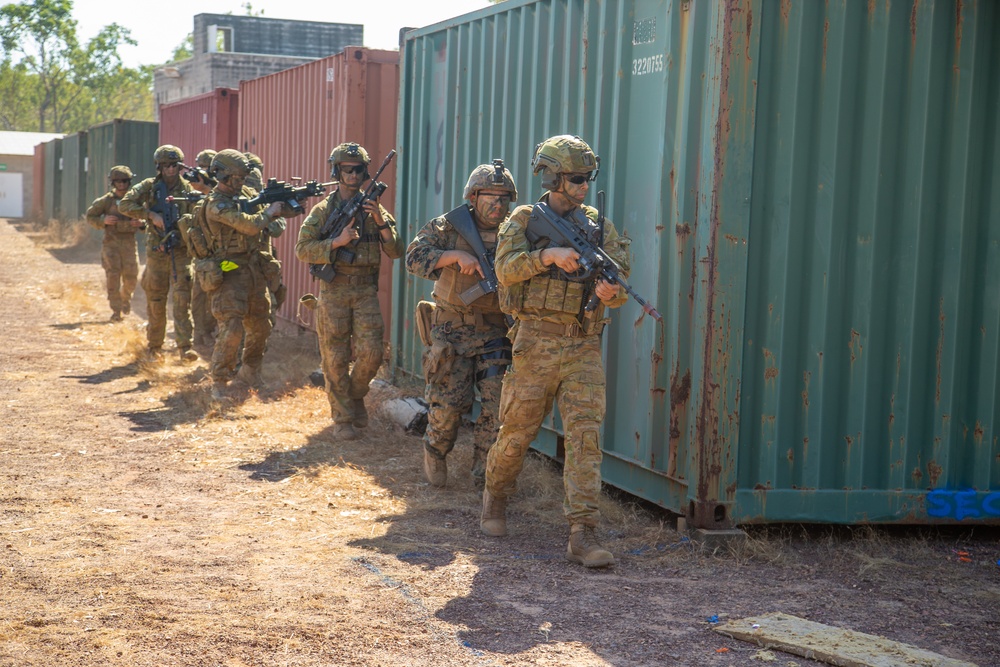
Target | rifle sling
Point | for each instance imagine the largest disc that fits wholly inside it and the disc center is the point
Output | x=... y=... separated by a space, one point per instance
x=461 y=219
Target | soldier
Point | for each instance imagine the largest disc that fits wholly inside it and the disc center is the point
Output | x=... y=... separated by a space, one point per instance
x=255 y=181
x=168 y=264
x=467 y=345
x=118 y=252
x=243 y=267
x=556 y=347
x=201 y=304
x=348 y=313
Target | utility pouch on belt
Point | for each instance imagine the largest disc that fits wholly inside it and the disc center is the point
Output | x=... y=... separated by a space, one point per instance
x=271 y=269
x=424 y=315
x=439 y=357
x=208 y=273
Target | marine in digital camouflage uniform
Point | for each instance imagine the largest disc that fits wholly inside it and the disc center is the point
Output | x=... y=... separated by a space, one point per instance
x=118 y=250
x=348 y=314
x=470 y=350
x=241 y=303
x=165 y=271
x=556 y=348
x=201 y=304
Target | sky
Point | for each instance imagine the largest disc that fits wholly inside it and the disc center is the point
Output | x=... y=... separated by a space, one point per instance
x=159 y=31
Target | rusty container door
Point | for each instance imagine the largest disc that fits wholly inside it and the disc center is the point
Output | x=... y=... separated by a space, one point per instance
x=204 y=121
x=294 y=118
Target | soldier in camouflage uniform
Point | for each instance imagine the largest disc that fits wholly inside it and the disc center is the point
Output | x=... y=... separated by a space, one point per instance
x=118 y=252
x=201 y=304
x=348 y=313
x=241 y=302
x=165 y=270
x=556 y=347
x=468 y=346
x=255 y=180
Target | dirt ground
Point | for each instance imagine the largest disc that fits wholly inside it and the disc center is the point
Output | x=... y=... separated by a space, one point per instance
x=141 y=523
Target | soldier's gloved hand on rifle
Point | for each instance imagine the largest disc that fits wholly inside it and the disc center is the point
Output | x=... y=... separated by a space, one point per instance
x=110 y=219
x=468 y=264
x=276 y=227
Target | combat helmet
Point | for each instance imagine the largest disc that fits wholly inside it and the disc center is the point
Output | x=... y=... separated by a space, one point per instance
x=204 y=159
x=167 y=154
x=255 y=161
x=229 y=162
x=120 y=172
x=491 y=177
x=563 y=154
x=348 y=152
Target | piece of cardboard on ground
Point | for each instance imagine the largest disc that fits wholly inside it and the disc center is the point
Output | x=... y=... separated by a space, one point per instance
x=837 y=646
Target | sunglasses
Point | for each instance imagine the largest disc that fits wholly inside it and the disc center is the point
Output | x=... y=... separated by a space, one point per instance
x=579 y=179
x=357 y=169
x=172 y=165
x=502 y=198
x=121 y=180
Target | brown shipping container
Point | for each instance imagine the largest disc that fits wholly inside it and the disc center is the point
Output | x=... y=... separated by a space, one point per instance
x=200 y=122
x=294 y=118
x=38 y=187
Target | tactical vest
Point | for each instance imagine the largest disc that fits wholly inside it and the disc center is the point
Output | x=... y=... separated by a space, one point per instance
x=367 y=248
x=223 y=240
x=124 y=224
x=451 y=283
x=553 y=290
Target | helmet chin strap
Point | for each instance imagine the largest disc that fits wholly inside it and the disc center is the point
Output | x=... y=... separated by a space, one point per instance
x=561 y=191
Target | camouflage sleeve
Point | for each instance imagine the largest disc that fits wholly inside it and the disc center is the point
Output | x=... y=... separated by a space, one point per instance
x=310 y=248
x=228 y=213
x=426 y=248
x=516 y=261
x=97 y=211
x=396 y=248
x=135 y=202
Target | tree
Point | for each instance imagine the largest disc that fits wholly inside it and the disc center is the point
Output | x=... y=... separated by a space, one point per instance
x=68 y=86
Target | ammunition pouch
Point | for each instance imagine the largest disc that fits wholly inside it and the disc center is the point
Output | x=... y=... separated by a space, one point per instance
x=439 y=358
x=423 y=317
x=208 y=273
x=271 y=268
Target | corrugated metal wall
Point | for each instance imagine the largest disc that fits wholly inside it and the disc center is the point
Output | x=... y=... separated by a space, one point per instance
x=807 y=187
x=74 y=176
x=204 y=121
x=128 y=142
x=53 y=179
x=351 y=96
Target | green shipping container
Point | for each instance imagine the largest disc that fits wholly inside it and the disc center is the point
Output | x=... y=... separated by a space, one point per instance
x=128 y=142
x=72 y=201
x=809 y=190
x=53 y=179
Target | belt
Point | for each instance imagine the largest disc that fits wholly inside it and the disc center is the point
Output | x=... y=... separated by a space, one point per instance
x=475 y=318
x=354 y=279
x=573 y=330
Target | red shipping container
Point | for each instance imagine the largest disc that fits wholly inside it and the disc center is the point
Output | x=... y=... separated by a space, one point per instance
x=293 y=119
x=200 y=122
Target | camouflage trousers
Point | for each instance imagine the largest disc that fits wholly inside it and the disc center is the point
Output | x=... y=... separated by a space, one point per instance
x=348 y=316
x=121 y=267
x=242 y=308
x=481 y=354
x=201 y=311
x=162 y=275
x=547 y=369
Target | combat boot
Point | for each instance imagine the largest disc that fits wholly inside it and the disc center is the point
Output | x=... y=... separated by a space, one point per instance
x=360 y=413
x=126 y=308
x=345 y=431
x=116 y=316
x=154 y=354
x=250 y=377
x=218 y=391
x=583 y=547
x=187 y=354
x=435 y=469
x=494 y=519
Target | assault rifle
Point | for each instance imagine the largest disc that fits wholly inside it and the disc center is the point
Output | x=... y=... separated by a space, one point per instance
x=341 y=217
x=461 y=219
x=163 y=203
x=285 y=193
x=595 y=263
x=197 y=175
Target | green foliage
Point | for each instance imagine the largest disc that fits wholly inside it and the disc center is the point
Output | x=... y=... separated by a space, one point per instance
x=184 y=50
x=49 y=82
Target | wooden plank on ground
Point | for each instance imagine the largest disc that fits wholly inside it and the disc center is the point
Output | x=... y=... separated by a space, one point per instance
x=837 y=646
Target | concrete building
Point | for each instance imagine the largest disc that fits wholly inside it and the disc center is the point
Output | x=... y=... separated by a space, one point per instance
x=229 y=49
x=17 y=171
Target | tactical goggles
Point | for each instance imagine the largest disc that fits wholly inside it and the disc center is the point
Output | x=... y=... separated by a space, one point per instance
x=502 y=197
x=580 y=179
x=356 y=169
